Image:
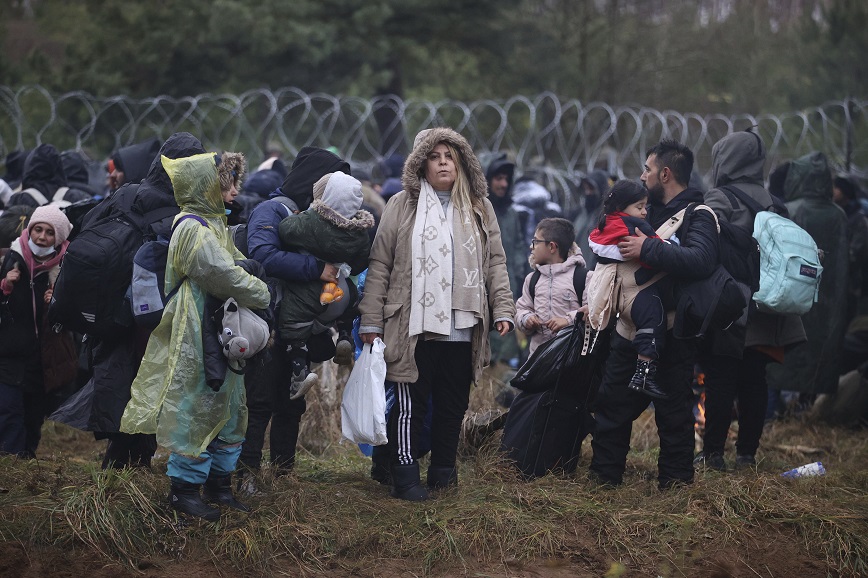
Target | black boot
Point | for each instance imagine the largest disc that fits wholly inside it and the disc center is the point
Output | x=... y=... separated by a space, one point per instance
x=644 y=380
x=406 y=484
x=184 y=497
x=442 y=478
x=218 y=490
x=380 y=465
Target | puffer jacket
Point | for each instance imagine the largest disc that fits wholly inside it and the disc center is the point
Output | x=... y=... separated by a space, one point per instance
x=738 y=160
x=554 y=296
x=812 y=367
x=385 y=307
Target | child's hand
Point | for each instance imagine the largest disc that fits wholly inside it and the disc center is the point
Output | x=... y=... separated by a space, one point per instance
x=533 y=323
x=13 y=276
x=48 y=293
x=557 y=323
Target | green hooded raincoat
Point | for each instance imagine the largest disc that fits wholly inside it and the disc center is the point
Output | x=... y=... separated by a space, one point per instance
x=169 y=395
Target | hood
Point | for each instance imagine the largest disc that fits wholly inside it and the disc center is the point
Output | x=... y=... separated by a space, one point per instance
x=311 y=164
x=179 y=145
x=136 y=159
x=196 y=184
x=426 y=140
x=600 y=181
x=43 y=170
x=498 y=163
x=15 y=167
x=262 y=183
x=74 y=167
x=531 y=194
x=808 y=177
x=231 y=163
x=738 y=158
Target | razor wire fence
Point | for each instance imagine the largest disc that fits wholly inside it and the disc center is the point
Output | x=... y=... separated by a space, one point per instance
x=559 y=139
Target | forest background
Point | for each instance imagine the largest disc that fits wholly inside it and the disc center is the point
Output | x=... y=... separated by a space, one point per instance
x=703 y=56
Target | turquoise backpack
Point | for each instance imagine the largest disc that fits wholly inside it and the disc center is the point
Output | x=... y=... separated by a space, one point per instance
x=790 y=267
x=790 y=270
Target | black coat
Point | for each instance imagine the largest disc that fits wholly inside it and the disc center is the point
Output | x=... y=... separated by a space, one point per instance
x=43 y=171
x=20 y=319
x=697 y=255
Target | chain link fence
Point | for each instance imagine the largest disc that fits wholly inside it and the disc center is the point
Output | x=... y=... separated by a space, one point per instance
x=558 y=138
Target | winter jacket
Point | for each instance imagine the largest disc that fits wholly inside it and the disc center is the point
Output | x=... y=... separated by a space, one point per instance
x=21 y=312
x=515 y=244
x=738 y=160
x=169 y=395
x=554 y=296
x=386 y=304
x=332 y=238
x=812 y=367
x=43 y=171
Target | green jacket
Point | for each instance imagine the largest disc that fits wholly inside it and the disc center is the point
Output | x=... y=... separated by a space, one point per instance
x=169 y=395
x=330 y=237
x=812 y=367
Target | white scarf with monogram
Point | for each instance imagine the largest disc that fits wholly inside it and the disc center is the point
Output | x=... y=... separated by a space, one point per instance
x=447 y=267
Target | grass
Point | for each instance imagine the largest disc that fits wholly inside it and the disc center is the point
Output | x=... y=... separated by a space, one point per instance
x=328 y=517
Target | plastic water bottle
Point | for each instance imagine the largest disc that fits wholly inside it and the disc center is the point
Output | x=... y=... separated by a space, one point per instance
x=814 y=469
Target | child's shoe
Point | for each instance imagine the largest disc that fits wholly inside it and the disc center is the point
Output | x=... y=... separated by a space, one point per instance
x=302 y=379
x=644 y=381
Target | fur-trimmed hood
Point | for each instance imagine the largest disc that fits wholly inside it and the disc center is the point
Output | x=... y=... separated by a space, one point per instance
x=231 y=163
x=425 y=141
x=361 y=221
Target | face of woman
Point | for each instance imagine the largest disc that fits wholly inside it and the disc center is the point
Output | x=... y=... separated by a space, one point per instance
x=440 y=168
x=42 y=234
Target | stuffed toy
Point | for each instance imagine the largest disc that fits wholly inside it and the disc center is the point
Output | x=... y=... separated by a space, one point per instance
x=244 y=333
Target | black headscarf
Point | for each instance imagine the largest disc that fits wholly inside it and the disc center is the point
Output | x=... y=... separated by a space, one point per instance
x=311 y=164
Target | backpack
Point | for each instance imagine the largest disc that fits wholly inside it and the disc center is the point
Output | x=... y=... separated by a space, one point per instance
x=713 y=303
x=580 y=274
x=238 y=233
x=789 y=263
x=89 y=294
x=147 y=291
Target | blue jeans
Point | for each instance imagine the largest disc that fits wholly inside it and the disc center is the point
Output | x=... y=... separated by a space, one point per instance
x=218 y=457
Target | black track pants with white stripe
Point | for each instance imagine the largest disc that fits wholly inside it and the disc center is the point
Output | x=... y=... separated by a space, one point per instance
x=445 y=375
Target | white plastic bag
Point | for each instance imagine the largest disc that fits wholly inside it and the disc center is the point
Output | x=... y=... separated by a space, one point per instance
x=363 y=408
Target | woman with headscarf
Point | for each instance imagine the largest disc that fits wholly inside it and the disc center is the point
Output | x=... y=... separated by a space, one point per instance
x=436 y=284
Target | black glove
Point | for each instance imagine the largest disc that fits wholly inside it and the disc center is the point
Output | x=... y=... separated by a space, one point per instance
x=215 y=384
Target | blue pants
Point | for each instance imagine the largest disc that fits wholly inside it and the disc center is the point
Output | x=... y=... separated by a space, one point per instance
x=219 y=457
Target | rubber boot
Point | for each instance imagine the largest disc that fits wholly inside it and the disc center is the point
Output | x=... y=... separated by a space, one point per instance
x=440 y=478
x=185 y=498
x=218 y=490
x=406 y=484
x=644 y=380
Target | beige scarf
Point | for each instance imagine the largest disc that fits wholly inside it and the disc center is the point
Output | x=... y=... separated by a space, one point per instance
x=447 y=267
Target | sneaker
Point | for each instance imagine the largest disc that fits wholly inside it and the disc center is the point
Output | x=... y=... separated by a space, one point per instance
x=344 y=349
x=301 y=383
x=744 y=461
x=713 y=461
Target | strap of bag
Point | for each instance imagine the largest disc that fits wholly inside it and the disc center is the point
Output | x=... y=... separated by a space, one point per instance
x=202 y=222
x=36 y=195
x=580 y=275
x=59 y=194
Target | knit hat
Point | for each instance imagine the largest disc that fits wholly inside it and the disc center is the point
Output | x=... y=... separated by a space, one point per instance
x=340 y=192
x=53 y=216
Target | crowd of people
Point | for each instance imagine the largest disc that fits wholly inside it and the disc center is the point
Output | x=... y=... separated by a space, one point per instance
x=464 y=265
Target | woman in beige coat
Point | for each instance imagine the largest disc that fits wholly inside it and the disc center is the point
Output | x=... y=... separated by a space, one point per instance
x=437 y=282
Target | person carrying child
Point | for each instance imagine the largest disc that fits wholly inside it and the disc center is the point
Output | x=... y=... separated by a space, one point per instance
x=551 y=303
x=633 y=288
x=333 y=229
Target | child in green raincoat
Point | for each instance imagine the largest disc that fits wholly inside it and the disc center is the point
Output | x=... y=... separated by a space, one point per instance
x=202 y=428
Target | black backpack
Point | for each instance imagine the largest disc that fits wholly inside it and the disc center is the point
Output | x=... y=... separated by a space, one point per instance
x=90 y=291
